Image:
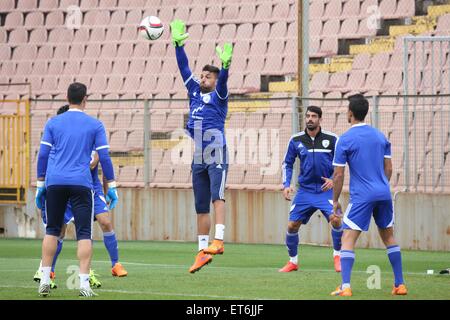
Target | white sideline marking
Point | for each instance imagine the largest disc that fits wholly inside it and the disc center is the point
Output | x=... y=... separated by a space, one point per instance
x=156 y=293
x=180 y=266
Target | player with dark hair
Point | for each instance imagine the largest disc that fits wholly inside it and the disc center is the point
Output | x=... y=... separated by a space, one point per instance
x=66 y=177
x=101 y=214
x=368 y=154
x=208 y=106
x=315 y=149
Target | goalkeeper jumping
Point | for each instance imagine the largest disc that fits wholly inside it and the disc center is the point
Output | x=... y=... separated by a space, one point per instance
x=208 y=106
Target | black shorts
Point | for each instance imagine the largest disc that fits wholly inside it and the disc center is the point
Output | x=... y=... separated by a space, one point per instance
x=81 y=199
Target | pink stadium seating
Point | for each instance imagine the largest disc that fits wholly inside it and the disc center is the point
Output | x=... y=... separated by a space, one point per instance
x=14 y=19
x=6 y=5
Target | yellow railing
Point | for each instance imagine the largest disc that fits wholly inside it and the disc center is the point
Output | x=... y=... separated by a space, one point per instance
x=14 y=151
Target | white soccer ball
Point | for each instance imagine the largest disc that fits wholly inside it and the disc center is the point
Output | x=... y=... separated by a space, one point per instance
x=151 y=28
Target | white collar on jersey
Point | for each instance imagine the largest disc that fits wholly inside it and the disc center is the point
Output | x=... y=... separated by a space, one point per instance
x=359 y=125
x=75 y=109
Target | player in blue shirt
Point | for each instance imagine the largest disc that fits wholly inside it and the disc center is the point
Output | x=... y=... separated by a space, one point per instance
x=101 y=214
x=315 y=149
x=65 y=176
x=368 y=155
x=208 y=106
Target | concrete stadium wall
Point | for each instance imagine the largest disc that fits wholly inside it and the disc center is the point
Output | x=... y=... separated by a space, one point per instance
x=422 y=220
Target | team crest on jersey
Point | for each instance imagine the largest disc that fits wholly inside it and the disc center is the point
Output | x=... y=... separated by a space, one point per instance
x=300 y=145
x=206 y=98
x=325 y=143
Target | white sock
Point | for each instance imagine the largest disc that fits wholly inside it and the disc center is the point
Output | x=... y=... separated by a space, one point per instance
x=84 y=281
x=203 y=242
x=345 y=286
x=336 y=253
x=220 y=230
x=46 y=275
x=294 y=260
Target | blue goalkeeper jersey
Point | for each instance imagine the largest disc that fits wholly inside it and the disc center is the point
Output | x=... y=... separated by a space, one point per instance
x=364 y=148
x=207 y=111
x=316 y=158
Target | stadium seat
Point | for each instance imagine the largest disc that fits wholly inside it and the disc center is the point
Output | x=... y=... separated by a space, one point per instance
x=115 y=83
x=405 y=8
x=443 y=23
x=356 y=80
x=315 y=28
x=329 y=46
x=136 y=140
x=23 y=67
x=129 y=33
x=34 y=20
x=319 y=81
x=333 y=9
x=247 y=11
x=349 y=28
x=61 y=52
x=13 y=19
x=316 y=10
x=164 y=174
x=182 y=174
x=38 y=36
x=338 y=81
x=82 y=36
x=261 y=31
x=230 y=12
x=182 y=13
x=365 y=30
x=351 y=8
x=134 y=17
x=374 y=80
x=120 y=67
x=393 y=80
x=6 y=5
x=54 y=19
x=388 y=8
x=19 y=36
x=244 y=31
x=109 y=50
x=104 y=67
x=198 y=15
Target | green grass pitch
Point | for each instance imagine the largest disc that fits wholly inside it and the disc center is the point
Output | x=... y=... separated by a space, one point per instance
x=159 y=270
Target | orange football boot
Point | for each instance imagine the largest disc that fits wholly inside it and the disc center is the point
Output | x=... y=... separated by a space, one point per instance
x=347 y=292
x=118 y=270
x=216 y=247
x=289 y=267
x=400 y=290
x=201 y=260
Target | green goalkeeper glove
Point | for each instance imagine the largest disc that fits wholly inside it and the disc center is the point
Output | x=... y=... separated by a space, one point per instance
x=225 y=55
x=179 y=35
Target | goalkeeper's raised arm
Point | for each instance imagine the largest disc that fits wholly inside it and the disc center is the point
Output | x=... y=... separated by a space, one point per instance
x=179 y=36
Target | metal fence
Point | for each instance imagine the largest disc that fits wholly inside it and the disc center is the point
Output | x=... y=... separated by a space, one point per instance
x=149 y=146
x=426 y=122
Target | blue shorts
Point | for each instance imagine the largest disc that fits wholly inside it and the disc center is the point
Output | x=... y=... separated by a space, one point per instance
x=100 y=206
x=208 y=182
x=81 y=199
x=357 y=216
x=306 y=203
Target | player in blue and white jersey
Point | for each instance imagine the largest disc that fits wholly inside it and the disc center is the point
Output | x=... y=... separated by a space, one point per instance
x=65 y=176
x=315 y=149
x=367 y=153
x=208 y=106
